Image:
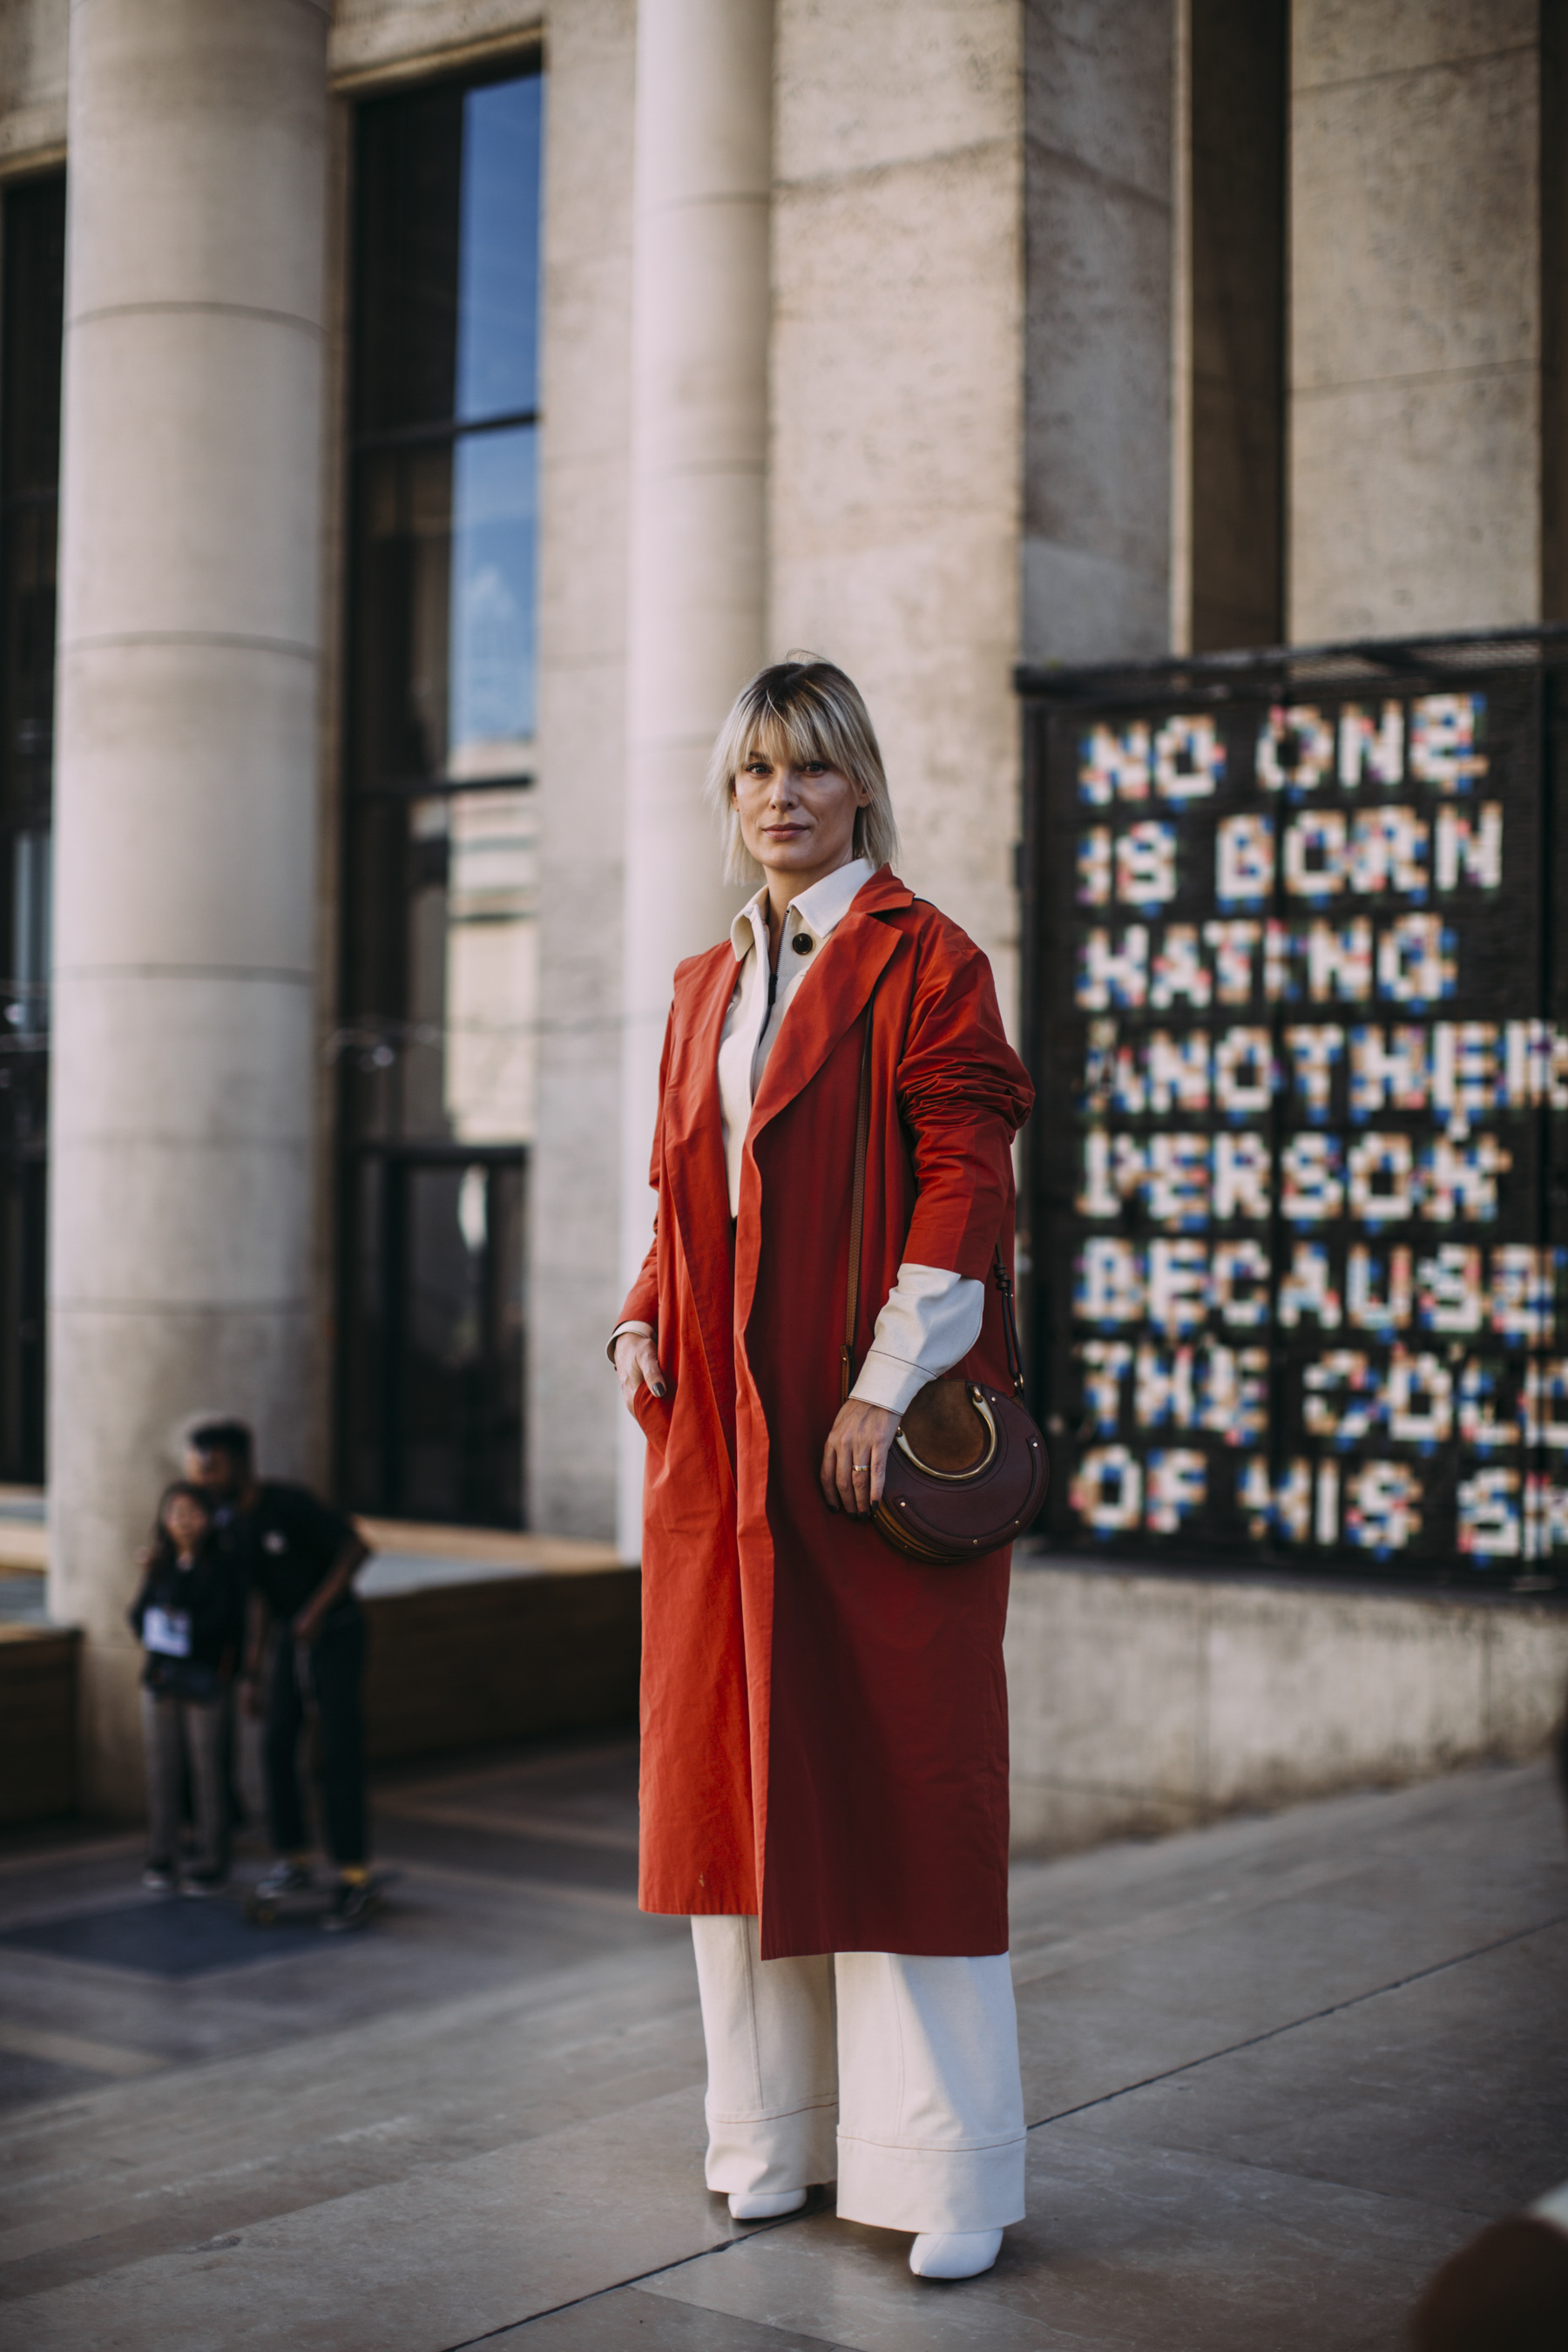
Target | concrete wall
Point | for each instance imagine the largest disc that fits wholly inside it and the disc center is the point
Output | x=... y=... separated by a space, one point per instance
x=1098 y=418
x=575 y=1296
x=512 y=1658
x=40 y=1667
x=390 y=40
x=1554 y=311
x=896 y=369
x=1416 y=315
x=1148 y=1702
x=32 y=38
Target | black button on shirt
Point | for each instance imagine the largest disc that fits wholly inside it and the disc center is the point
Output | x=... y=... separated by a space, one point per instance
x=800 y=943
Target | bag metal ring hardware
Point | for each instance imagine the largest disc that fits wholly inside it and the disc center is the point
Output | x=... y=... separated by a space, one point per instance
x=958 y=1477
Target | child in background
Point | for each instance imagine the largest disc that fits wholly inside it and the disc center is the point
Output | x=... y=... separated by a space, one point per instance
x=189 y=1618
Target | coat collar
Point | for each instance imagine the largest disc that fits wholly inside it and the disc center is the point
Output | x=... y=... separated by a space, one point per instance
x=858 y=952
x=817 y=910
x=853 y=959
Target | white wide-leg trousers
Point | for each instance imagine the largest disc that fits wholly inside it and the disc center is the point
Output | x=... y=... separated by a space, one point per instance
x=896 y=2075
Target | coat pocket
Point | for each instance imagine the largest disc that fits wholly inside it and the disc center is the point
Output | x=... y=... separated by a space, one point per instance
x=653 y=1416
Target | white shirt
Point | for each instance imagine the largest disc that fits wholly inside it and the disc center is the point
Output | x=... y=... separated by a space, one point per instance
x=932 y=1318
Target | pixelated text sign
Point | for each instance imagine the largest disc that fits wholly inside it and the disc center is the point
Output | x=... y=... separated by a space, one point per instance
x=1305 y=1081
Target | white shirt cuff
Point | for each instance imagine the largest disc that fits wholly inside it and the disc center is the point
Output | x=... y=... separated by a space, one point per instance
x=620 y=1329
x=931 y=1321
x=885 y=1381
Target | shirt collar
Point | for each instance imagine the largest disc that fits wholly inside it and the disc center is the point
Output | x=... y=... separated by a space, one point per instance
x=818 y=911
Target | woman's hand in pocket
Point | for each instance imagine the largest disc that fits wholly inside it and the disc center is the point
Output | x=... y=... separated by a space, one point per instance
x=637 y=1361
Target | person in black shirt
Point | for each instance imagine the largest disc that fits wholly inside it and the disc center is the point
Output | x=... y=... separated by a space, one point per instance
x=299 y=1560
x=189 y=1617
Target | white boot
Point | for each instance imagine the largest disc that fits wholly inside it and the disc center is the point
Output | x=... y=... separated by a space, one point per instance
x=754 y=2205
x=952 y=2253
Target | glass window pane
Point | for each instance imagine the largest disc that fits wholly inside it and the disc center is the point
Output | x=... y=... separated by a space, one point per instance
x=27 y=1010
x=437 y=1043
x=491 y=966
x=499 y=299
x=409 y=192
x=35 y=248
x=440 y=1039
x=367 y=1343
x=32 y=299
x=403 y=616
x=446 y=317
x=444 y=610
x=462 y=1450
x=33 y=268
x=28 y=531
x=489 y=716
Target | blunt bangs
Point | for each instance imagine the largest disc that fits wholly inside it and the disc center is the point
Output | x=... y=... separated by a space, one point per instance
x=802 y=709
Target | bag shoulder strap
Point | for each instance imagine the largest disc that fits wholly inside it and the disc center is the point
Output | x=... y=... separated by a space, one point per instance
x=1009 y=1327
x=857 y=1211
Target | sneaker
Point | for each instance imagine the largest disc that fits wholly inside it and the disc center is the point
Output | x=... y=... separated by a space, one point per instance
x=285 y=1878
x=203 y=1881
x=352 y=1905
x=158 y=1878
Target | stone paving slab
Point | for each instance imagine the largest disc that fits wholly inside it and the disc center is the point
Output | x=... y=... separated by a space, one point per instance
x=1397 y=2094
x=443 y=2254
x=1131 y=2249
x=1276 y=2071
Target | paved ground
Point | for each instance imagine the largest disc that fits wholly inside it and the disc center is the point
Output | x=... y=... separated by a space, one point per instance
x=1276 y=2071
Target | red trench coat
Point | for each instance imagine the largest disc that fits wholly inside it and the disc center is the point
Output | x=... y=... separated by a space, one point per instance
x=824 y=1722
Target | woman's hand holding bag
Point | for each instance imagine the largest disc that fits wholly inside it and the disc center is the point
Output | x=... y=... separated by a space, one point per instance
x=855 y=1465
x=966 y=1471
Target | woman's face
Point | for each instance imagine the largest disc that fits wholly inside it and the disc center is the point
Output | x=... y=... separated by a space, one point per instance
x=185 y=1522
x=797 y=818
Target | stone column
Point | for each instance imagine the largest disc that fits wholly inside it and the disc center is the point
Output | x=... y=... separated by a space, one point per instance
x=898 y=386
x=180 y=1201
x=1098 y=366
x=575 y=1171
x=697 y=569
x=1415 y=429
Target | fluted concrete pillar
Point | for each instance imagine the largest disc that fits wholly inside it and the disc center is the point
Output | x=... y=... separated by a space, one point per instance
x=185 y=905
x=697 y=562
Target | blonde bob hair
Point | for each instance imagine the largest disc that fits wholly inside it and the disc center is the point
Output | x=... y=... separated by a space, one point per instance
x=797 y=709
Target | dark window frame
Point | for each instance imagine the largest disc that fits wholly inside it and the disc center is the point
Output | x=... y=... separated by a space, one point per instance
x=32 y=317
x=375 y=1151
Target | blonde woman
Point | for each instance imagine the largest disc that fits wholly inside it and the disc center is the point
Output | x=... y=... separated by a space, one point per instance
x=824 y=1724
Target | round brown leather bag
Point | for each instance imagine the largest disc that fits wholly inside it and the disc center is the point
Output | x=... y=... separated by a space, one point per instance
x=968 y=1470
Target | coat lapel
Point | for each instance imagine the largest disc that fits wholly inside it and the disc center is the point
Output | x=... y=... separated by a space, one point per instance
x=693 y=1147
x=856 y=955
